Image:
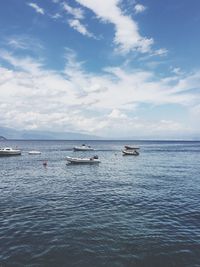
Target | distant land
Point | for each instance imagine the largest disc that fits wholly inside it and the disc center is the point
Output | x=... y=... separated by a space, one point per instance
x=8 y=133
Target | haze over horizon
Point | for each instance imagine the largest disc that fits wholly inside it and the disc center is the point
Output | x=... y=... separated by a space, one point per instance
x=107 y=68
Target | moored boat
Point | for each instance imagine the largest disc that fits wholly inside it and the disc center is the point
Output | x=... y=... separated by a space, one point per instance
x=130 y=152
x=131 y=147
x=83 y=148
x=92 y=160
x=8 y=151
x=34 y=152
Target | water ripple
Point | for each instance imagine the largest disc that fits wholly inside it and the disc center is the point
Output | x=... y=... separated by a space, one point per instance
x=128 y=211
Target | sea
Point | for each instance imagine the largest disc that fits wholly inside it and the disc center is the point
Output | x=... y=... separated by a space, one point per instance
x=137 y=211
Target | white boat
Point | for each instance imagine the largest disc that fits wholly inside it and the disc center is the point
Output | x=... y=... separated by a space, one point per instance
x=8 y=151
x=130 y=152
x=92 y=160
x=34 y=152
x=83 y=148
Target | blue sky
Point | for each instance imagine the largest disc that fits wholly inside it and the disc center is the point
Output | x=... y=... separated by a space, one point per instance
x=112 y=68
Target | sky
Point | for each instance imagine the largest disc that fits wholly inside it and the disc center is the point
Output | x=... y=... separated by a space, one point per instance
x=110 y=68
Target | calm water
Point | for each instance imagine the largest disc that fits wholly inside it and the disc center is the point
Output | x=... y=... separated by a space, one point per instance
x=128 y=211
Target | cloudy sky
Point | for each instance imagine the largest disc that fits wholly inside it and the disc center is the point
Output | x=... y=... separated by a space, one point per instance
x=110 y=68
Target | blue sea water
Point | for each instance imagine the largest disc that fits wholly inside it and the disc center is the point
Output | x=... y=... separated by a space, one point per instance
x=139 y=211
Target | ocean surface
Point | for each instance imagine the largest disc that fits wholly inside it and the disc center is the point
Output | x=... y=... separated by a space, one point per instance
x=141 y=211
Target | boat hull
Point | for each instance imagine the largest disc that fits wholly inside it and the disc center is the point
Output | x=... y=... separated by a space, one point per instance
x=83 y=149
x=34 y=153
x=130 y=153
x=9 y=154
x=82 y=160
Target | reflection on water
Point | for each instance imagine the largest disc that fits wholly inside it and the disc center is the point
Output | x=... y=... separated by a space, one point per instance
x=126 y=211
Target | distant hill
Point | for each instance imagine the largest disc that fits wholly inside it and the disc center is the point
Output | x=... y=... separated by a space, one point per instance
x=43 y=135
x=2 y=138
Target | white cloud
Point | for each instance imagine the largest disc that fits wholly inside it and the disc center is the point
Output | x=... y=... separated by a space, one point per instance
x=76 y=25
x=37 y=8
x=195 y=117
x=139 y=8
x=24 y=42
x=77 y=100
x=168 y=125
x=56 y=16
x=176 y=70
x=17 y=44
x=160 y=52
x=26 y=64
x=77 y=13
x=127 y=36
x=117 y=114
